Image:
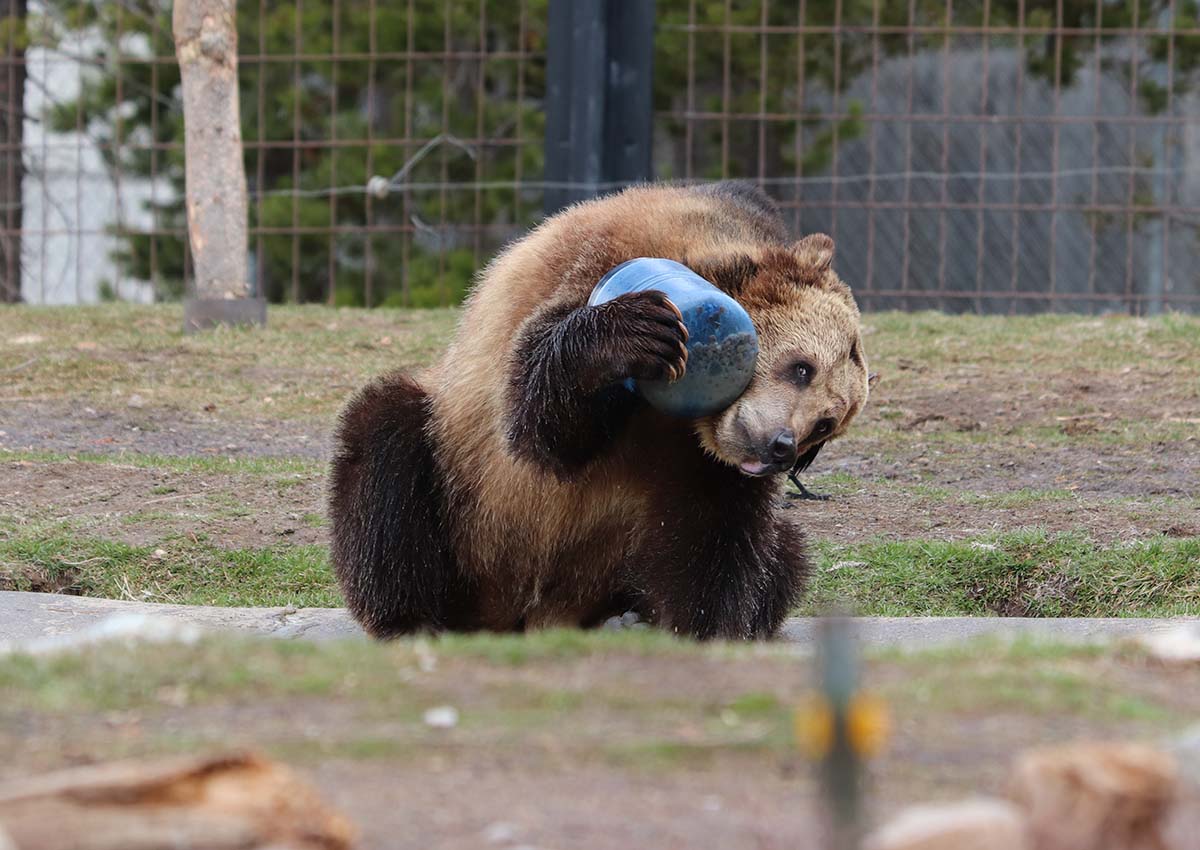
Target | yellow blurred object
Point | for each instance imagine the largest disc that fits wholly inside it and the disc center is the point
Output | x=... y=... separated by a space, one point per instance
x=814 y=727
x=867 y=726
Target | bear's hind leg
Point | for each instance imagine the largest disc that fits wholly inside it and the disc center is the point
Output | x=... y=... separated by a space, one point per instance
x=390 y=547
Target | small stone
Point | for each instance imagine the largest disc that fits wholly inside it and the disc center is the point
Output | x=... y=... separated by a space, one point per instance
x=846 y=565
x=26 y=339
x=1096 y=796
x=442 y=717
x=982 y=824
x=136 y=401
x=984 y=547
x=500 y=832
x=160 y=553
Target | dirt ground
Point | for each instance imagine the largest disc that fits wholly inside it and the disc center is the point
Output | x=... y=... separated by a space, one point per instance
x=903 y=489
x=612 y=749
x=121 y=430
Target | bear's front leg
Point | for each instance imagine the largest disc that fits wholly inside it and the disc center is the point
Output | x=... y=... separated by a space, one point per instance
x=566 y=398
x=735 y=577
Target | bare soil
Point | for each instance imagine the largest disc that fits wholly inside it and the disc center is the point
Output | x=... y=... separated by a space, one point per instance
x=141 y=506
x=908 y=485
x=618 y=751
x=54 y=426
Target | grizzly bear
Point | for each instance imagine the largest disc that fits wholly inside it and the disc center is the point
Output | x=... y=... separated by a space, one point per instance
x=521 y=484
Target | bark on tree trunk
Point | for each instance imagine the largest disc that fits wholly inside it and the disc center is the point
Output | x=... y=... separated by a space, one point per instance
x=206 y=47
x=12 y=136
x=237 y=802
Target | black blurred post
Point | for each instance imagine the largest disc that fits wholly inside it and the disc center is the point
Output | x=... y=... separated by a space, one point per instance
x=841 y=769
x=599 y=97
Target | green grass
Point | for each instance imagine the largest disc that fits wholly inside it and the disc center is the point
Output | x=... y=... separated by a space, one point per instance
x=301 y=365
x=392 y=684
x=222 y=667
x=1022 y=342
x=1028 y=573
x=187 y=572
x=307 y=359
x=216 y=464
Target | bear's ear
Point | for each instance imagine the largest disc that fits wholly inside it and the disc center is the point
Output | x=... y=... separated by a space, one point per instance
x=815 y=250
x=728 y=273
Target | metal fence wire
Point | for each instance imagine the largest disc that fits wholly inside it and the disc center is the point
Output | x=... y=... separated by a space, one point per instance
x=967 y=155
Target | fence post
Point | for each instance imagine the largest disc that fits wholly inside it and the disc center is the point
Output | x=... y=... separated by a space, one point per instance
x=206 y=46
x=599 y=97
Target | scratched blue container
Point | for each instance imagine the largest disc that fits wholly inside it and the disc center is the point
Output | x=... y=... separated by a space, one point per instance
x=722 y=344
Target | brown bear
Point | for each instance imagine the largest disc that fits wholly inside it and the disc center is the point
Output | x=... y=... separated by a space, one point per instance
x=520 y=484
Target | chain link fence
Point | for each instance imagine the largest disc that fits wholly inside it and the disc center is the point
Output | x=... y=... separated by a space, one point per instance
x=967 y=156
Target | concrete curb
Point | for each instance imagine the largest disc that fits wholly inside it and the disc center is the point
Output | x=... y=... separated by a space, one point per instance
x=41 y=620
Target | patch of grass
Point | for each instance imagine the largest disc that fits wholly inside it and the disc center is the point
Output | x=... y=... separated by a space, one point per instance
x=308 y=359
x=189 y=572
x=302 y=364
x=516 y=650
x=1036 y=342
x=1020 y=574
x=225 y=667
x=755 y=704
x=366 y=700
x=1020 y=498
x=979 y=687
x=1018 y=651
x=1026 y=677
x=216 y=464
x=1027 y=574
x=829 y=483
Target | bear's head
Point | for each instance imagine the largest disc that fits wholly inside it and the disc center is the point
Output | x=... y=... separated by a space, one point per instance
x=811 y=377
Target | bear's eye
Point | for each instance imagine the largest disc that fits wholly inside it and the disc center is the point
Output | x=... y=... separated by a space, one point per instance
x=802 y=373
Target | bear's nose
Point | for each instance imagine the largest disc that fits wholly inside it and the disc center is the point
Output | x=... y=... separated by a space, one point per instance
x=783 y=447
x=822 y=429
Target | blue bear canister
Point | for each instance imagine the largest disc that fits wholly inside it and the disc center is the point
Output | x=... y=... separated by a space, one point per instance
x=722 y=344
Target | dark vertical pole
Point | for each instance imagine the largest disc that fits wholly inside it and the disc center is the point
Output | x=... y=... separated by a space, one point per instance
x=629 y=106
x=599 y=109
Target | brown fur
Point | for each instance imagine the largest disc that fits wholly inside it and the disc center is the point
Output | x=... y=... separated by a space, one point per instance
x=565 y=502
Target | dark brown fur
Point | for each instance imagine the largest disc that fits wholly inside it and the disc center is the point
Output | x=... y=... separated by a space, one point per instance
x=522 y=487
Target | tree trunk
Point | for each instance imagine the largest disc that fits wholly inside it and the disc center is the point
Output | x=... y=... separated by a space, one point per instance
x=206 y=47
x=237 y=802
x=12 y=136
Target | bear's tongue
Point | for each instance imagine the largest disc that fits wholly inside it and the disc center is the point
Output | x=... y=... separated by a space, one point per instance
x=753 y=467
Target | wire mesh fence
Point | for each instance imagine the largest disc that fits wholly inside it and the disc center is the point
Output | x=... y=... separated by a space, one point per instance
x=965 y=154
